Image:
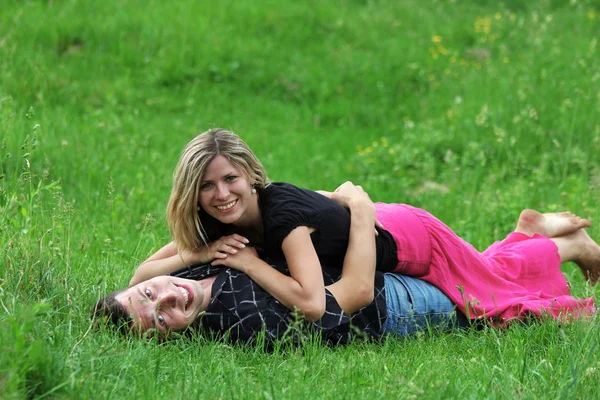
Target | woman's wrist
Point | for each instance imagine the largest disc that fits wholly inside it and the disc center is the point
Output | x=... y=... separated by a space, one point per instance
x=361 y=207
x=251 y=268
x=197 y=256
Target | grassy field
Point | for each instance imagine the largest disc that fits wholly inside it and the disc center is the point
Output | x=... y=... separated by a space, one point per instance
x=473 y=110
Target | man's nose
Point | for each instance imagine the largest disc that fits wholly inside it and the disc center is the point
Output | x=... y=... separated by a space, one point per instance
x=168 y=299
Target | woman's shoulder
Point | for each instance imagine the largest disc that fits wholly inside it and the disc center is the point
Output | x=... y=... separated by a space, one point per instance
x=285 y=195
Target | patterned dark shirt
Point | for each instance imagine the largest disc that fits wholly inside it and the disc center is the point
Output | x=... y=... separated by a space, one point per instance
x=242 y=311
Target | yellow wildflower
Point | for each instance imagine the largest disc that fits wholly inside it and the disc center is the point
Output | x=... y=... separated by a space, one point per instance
x=478 y=23
x=487 y=26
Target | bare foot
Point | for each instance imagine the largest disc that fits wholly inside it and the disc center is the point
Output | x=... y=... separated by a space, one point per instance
x=589 y=259
x=550 y=224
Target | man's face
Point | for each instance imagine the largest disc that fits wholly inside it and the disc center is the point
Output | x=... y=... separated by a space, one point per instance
x=164 y=304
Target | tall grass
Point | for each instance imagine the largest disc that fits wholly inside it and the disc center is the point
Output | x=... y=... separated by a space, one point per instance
x=472 y=110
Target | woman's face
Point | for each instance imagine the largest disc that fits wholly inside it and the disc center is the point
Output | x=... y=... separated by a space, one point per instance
x=226 y=193
x=165 y=303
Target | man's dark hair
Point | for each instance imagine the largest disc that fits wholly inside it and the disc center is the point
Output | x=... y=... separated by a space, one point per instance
x=109 y=309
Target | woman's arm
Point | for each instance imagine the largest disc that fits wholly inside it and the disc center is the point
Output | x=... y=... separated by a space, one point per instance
x=356 y=287
x=304 y=289
x=169 y=258
x=165 y=260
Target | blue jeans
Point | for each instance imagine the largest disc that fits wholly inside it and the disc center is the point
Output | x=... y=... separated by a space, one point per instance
x=414 y=305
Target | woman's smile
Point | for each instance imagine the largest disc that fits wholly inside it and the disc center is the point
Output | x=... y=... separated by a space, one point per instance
x=226 y=208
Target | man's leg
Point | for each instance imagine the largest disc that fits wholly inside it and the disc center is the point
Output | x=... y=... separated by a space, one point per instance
x=414 y=305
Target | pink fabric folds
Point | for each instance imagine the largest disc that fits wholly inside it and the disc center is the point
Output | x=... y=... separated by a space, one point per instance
x=513 y=278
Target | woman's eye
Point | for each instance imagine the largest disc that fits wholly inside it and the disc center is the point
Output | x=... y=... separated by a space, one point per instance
x=161 y=319
x=230 y=178
x=205 y=186
x=148 y=293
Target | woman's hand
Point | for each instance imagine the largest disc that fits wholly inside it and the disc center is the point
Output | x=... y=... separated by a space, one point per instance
x=224 y=247
x=242 y=260
x=349 y=194
x=169 y=258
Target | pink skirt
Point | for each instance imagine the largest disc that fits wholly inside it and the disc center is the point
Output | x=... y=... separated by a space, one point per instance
x=513 y=278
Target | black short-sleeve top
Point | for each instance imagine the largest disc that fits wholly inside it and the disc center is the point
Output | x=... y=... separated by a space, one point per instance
x=285 y=207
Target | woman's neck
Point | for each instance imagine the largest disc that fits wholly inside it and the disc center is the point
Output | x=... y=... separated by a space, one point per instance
x=251 y=222
x=251 y=227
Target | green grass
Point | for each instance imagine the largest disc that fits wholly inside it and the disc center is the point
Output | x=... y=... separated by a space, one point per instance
x=473 y=110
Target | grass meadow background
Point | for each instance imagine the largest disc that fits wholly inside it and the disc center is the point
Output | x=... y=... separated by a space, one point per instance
x=473 y=110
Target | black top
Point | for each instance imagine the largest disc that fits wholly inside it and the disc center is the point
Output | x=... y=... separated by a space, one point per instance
x=240 y=310
x=285 y=207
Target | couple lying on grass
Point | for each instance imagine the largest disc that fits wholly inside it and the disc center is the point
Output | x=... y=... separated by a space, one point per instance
x=320 y=259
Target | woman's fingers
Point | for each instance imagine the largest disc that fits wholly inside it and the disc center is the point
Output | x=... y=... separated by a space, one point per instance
x=232 y=241
x=377 y=225
x=218 y=261
x=224 y=248
x=324 y=193
x=228 y=245
x=236 y=240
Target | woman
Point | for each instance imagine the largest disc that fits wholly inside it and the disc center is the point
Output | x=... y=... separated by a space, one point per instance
x=402 y=305
x=220 y=188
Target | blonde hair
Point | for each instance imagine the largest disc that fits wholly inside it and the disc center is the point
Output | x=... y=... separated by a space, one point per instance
x=190 y=226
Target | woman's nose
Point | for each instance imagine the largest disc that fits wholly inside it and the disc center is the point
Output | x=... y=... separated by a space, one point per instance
x=222 y=192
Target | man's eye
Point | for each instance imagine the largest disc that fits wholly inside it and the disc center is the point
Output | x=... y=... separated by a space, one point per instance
x=161 y=319
x=148 y=293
